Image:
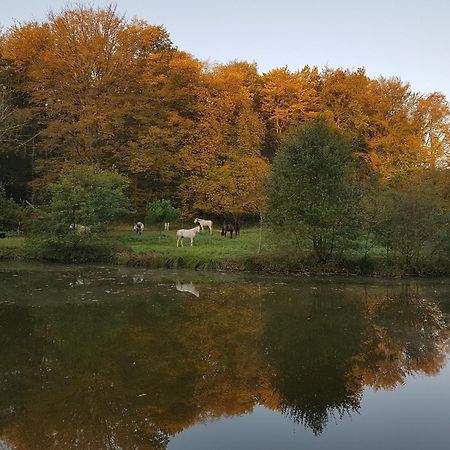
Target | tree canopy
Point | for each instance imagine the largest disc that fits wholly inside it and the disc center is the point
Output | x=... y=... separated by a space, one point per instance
x=88 y=196
x=311 y=188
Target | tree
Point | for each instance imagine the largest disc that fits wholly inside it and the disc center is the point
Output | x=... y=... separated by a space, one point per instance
x=434 y=113
x=162 y=211
x=224 y=164
x=311 y=193
x=413 y=219
x=89 y=196
x=84 y=70
x=395 y=138
x=347 y=100
x=165 y=124
x=287 y=99
x=11 y=213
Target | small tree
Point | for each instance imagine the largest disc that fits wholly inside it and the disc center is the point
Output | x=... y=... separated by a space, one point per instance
x=162 y=211
x=311 y=192
x=89 y=196
x=413 y=220
x=11 y=213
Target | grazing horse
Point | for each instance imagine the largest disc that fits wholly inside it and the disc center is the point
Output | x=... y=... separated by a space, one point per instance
x=138 y=227
x=231 y=227
x=204 y=223
x=80 y=229
x=190 y=234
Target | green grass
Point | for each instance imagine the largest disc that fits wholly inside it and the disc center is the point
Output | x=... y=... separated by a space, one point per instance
x=158 y=249
x=12 y=247
x=208 y=251
x=204 y=243
x=12 y=242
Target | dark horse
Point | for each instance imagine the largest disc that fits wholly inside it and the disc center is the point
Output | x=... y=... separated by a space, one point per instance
x=231 y=227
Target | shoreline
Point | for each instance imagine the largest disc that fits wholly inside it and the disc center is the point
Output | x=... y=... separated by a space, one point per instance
x=252 y=265
x=156 y=250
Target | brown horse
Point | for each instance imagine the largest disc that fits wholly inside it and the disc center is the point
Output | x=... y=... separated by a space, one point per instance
x=231 y=227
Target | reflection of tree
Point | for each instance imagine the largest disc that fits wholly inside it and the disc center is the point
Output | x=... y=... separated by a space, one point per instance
x=137 y=367
x=127 y=374
x=406 y=334
x=310 y=345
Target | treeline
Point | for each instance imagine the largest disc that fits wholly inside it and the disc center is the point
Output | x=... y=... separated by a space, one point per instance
x=87 y=86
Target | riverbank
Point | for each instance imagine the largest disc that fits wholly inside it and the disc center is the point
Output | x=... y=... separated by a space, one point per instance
x=249 y=252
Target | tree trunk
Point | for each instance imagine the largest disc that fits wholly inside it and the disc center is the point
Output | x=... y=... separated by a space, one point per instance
x=260 y=232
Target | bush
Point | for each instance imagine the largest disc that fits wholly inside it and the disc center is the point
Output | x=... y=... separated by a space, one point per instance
x=12 y=214
x=88 y=196
x=69 y=249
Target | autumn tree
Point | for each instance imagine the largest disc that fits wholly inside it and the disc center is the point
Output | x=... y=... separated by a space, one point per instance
x=288 y=99
x=394 y=140
x=347 y=101
x=17 y=128
x=434 y=115
x=165 y=124
x=83 y=69
x=224 y=163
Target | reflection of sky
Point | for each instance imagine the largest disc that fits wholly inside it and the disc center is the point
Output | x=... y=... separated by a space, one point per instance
x=406 y=38
x=390 y=420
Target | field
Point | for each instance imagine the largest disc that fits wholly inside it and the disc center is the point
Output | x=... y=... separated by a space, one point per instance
x=208 y=251
x=158 y=249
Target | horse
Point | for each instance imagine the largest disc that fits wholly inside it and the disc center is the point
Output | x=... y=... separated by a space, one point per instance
x=166 y=226
x=204 y=223
x=187 y=234
x=231 y=227
x=138 y=227
x=80 y=229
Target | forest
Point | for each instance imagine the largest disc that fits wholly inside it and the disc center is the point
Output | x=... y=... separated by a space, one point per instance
x=328 y=158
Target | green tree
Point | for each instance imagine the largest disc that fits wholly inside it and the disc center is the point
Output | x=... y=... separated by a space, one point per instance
x=162 y=211
x=11 y=213
x=89 y=196
x=311 y=192
x=413 y=220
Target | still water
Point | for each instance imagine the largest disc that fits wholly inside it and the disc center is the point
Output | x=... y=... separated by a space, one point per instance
x=115 y=358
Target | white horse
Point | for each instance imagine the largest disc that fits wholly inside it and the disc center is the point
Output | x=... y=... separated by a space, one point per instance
x=80 y=229
x=166 y=226
x=187 y=287
x=138 y=227
x=187 y=234
x=204 y=223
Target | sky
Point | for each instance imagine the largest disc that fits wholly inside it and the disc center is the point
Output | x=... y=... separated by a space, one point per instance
x=409 y=39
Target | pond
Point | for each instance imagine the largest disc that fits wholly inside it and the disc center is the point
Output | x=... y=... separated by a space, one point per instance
x=117 y=358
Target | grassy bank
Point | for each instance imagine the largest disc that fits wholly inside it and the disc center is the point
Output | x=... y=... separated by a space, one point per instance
x=155 y=249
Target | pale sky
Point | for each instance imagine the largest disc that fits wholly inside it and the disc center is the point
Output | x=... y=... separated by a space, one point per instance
x=405 y=38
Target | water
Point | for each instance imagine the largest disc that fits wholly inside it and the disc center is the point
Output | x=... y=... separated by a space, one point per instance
x=114 y=358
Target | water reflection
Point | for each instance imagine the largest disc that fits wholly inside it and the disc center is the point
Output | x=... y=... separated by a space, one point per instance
x=132 y=369
x=187 y=287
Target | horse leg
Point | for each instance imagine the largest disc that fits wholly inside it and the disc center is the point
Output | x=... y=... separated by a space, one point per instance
x=210 y=230
x=192 y=242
